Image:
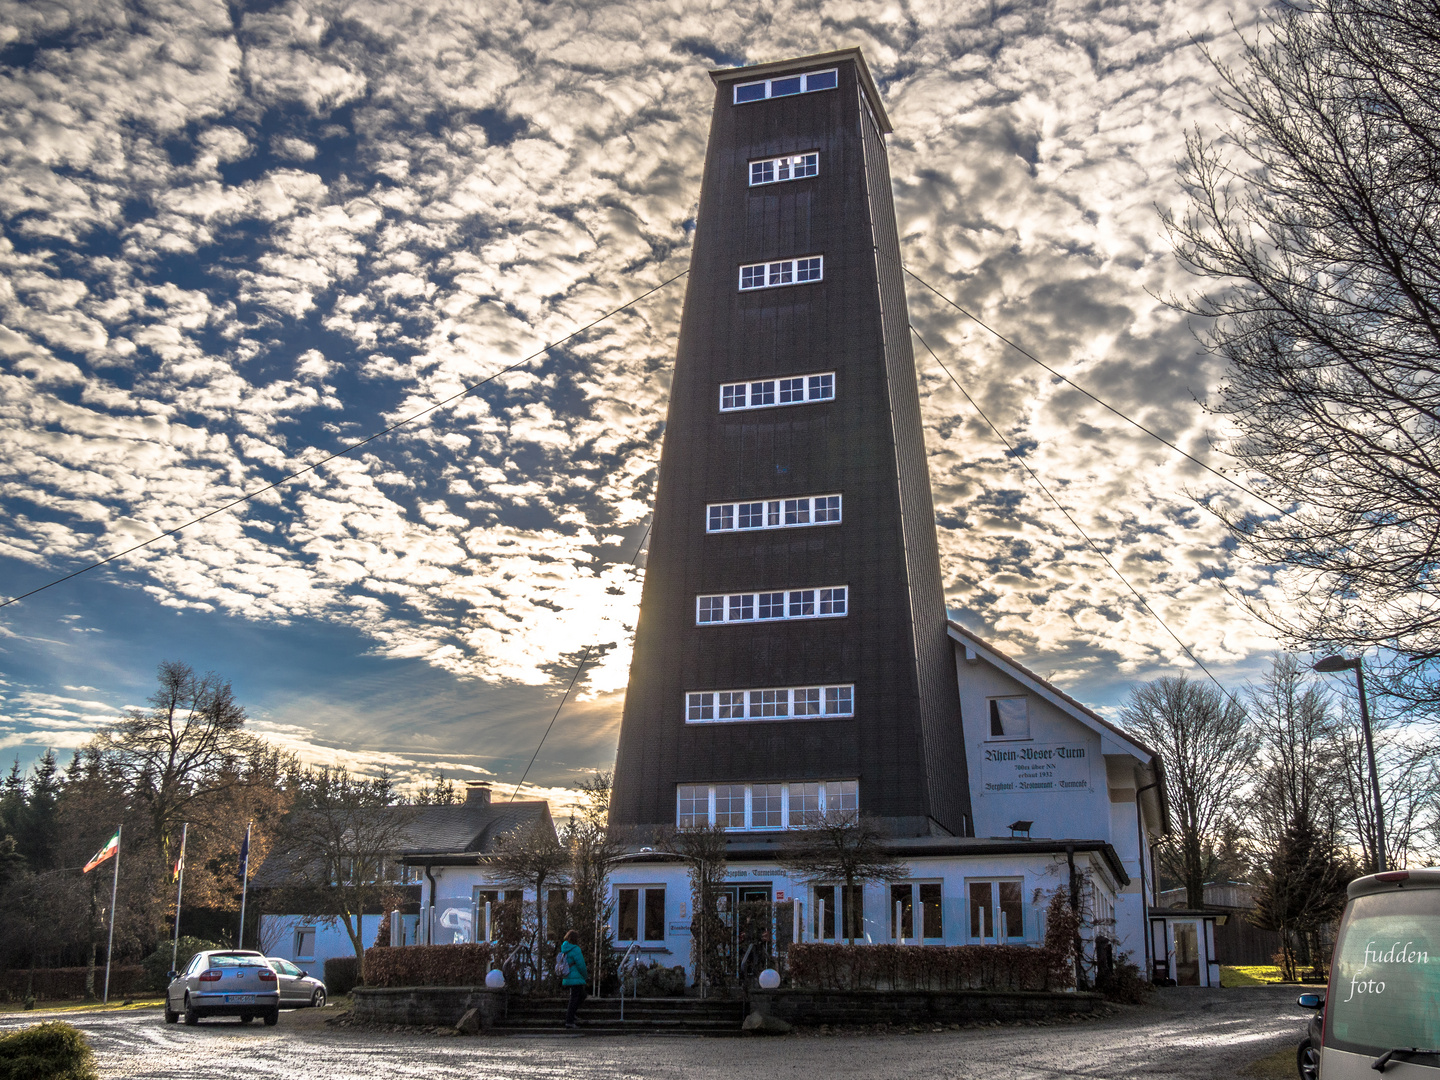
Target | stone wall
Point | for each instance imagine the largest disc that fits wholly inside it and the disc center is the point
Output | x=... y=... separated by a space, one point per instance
x=814 y=1007
x=426 y=1006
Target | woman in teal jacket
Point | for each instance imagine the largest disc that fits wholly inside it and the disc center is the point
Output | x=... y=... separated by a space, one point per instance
x=576 y=977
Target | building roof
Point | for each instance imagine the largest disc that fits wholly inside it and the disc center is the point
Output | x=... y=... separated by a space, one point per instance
x=468 y=828
x=770 y=70
x=978 y=646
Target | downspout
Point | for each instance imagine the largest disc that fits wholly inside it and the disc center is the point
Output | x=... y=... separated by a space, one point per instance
x=1144 y=904
x=430 y=917
x=1075 y=907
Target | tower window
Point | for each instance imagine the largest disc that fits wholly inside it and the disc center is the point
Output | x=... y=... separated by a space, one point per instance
x=774 y=514
x=779 y=703
x=1009 y=718
x=775 y=170
x=793 y=390
x=763 y=806
x=770 y=606
x=782 y=272
x=786 y=85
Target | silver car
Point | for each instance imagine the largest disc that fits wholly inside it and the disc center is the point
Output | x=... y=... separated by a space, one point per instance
x=224 y=982
x=298 y=989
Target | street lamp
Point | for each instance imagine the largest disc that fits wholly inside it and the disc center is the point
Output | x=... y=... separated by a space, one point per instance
x=1338 y=663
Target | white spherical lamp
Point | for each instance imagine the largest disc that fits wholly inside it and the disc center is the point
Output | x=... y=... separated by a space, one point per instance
x=495 y=980
x=769 y=979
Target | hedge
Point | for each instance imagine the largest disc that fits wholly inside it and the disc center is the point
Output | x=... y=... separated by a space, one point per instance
x=927 y=967
x=342 y=973
x=53 y=1051
x=65 y=984
x=428 y=965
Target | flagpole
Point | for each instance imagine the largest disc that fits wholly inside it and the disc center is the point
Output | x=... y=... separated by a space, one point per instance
x=179 y=888
x=114 y=888
x=244 y=886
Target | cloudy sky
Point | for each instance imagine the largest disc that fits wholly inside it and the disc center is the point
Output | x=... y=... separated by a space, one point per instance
x=238 y=236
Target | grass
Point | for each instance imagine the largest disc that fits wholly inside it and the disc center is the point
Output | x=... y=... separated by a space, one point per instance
x=83 y=1006
x=1252 y=975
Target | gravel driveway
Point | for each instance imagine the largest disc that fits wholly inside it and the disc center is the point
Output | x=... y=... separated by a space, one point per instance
x=1180 y=1033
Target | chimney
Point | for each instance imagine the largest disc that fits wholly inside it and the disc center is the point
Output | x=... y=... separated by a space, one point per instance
x=477 y=792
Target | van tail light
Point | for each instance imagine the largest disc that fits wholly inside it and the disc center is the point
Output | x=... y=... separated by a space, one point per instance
x=210 y=976
x=266 y=975
x=1393 y=875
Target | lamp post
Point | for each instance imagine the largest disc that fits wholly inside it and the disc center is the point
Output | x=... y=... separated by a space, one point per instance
x=1338 y=663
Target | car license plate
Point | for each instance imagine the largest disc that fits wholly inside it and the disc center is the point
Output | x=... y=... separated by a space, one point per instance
x=240 y=999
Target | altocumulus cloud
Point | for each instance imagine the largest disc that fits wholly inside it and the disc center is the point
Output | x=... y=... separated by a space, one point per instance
x=237 y=237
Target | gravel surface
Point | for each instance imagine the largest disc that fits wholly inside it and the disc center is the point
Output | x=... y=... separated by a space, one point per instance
x=1180 y=1033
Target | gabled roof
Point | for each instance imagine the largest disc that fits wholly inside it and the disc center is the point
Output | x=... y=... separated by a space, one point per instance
x=467 y=827
x=974 y=644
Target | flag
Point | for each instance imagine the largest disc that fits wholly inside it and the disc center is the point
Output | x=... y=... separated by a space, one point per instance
x=108 y=851
x=240 y=871
x=179 y=866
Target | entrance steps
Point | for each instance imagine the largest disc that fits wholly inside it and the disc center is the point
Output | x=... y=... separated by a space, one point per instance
x=602 y=1016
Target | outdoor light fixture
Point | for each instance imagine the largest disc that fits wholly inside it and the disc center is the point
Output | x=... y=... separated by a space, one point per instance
x=1330 y=665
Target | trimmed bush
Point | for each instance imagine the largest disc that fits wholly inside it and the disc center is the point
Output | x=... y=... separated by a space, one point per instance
x=926 y=967
x=68 y=984
x=426 y=965
x=341 y=974
x=53 y=1051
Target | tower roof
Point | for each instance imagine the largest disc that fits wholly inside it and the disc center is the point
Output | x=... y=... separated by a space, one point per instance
x=773 y=68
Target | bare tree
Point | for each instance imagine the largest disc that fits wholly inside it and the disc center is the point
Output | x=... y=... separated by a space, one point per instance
x=705 y=851
x=183 y=749
x=1409 y=787
x=1317 y=217
x=336 y=854
x=845 y=847
x=529 y=858
x=593 y=846
x=1209 y=748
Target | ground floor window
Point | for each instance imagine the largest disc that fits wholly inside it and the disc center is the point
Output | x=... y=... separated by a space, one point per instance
x=827 y=902
x=305 y=943
x=640 y=914
x=502 y=910
x=912 y=900
x=997 y=909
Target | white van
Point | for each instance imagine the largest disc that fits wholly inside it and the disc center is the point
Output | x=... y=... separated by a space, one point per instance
x=1382 y=1008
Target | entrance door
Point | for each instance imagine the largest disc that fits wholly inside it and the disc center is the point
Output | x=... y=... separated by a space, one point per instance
x=747 y=914
x=1187 y=953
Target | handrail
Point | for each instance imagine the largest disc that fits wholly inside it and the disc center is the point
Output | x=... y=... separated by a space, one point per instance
x=627 y=962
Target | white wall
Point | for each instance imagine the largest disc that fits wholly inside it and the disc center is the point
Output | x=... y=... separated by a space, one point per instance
x=278 y=938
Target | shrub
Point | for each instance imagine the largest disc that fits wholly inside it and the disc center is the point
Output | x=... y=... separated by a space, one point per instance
x=427 y=965
x=656 y=980
x=53 y=1051
x=1123 y=982
x=158 y=963
x=925 y=967
x=341 y=974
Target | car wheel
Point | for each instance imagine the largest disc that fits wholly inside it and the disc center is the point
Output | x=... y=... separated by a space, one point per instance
x=318 y=1001
x=170 y=1014
x=1307 y=1060
x=192 y=1016
x=272 y=1017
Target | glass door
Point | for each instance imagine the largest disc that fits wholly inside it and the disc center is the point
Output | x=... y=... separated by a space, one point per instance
x=1187 y=953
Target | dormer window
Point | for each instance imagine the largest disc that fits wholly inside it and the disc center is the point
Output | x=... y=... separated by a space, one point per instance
x=1009 y=718
x=786 y=86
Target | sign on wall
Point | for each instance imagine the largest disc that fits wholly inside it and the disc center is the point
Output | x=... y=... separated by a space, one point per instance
x=1036 y=767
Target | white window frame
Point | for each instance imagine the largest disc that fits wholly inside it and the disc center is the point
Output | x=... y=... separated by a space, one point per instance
x=782 y=272
x=825 y=797
x=773 y=513
x=836 y=700
x=300 y=934
x=992 y=705
x=916 y=905
x=814 y=386
x=785 y=168
x=644 y=888
x=733 y=607
x=805 y=88
x=991 y=933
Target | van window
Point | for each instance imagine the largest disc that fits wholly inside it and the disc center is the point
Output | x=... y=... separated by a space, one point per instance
x=1385 y=985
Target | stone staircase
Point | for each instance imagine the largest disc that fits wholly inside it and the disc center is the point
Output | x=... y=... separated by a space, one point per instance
x=602 y=1016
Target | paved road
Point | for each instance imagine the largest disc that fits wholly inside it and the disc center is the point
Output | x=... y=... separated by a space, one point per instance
x=1182 y=1033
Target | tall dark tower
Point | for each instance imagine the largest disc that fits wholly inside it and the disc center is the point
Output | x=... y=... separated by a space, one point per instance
x=791 y=653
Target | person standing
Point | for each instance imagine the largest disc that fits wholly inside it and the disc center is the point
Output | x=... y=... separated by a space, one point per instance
x=574 y=975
